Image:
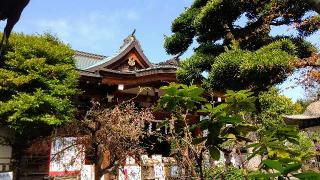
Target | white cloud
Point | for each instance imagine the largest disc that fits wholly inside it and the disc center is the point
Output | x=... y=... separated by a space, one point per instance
x=59 y=26
x=87 y=31
x=133 y=15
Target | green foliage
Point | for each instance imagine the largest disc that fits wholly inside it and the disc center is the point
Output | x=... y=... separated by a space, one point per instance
x=285 y=151
x=304 y=49
x=37 y=80
x=232 y=112
x=182 y=39
x=240 y=69
x=282 y=146
x=283 y=170
x=260 y=60
x=304 y=103
x=192 y=68
x=273 y=142
x=305 y=146
x=274 y=106
x=179 y=98
x=221 y=173
x=213 y=20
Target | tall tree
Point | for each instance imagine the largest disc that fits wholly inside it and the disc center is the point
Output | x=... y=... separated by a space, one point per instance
x=234 y=42
x=37 y=81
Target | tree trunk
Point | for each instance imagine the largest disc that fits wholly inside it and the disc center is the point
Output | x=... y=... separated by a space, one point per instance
x=97 y=172
x=200 y=166
x=17 y=154
x=227 y=158
x=190 y=167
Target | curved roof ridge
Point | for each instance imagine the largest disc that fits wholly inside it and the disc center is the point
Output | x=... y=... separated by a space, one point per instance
x=157 y=67
x=128 y=40
x=107 y=59
x=128 y=43
x=83 y=53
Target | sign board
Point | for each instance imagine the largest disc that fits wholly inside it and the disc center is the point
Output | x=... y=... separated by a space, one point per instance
x=87 y=172
x=174 y=171
x=157 y=158
x=67 y=157
x=130 y=160
x=130 y=172
x=6 y=176
x=144 y=158
x=159 y=172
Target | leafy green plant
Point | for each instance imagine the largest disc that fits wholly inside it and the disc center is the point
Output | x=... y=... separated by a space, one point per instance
x=273 y=142
x=283 y=169
x=222 y=173
x=182 y=101
x=227 y=121
x=284 y=154
x=238 y=69
x=228 y=124
x=37 y=81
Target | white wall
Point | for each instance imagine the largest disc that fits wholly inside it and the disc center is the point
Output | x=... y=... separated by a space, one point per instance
x=5 y=151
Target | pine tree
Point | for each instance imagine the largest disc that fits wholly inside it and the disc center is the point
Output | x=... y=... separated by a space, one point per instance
x=241 y=56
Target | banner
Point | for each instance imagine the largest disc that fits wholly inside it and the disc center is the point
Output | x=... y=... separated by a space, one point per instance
x=130 y=172
x=66 y=157
x=87 y=172
x=6 y=176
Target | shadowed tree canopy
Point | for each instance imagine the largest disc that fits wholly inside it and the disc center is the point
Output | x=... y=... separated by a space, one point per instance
x=234 y=42
x=10 y=10
x=37 y=81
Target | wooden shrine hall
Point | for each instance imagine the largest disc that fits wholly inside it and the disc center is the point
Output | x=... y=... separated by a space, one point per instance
x=123 y=76
x=110 y=80
x=126 y=75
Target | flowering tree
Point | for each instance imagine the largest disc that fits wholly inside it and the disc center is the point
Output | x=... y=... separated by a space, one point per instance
x=110 y=135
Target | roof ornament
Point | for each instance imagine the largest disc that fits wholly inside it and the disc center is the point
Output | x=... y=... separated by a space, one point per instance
x=133 y=33
x=129 y=39
x=132 y=36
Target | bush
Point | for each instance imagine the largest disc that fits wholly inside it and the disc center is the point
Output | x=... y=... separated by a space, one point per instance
x=223 y=173
x=274 y=106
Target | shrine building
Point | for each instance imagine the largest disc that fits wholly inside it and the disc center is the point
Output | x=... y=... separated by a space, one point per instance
x=110 y=80
x=126 y=75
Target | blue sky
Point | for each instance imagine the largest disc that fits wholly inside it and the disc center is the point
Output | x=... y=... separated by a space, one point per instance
x=99 y=26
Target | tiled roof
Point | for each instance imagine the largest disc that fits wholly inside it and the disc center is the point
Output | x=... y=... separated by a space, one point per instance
x=312 y=111
x=127 y=43
x=310 y=118
x=172 y=62
x=84 y=60
x=148 y=71
x=91 y=62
